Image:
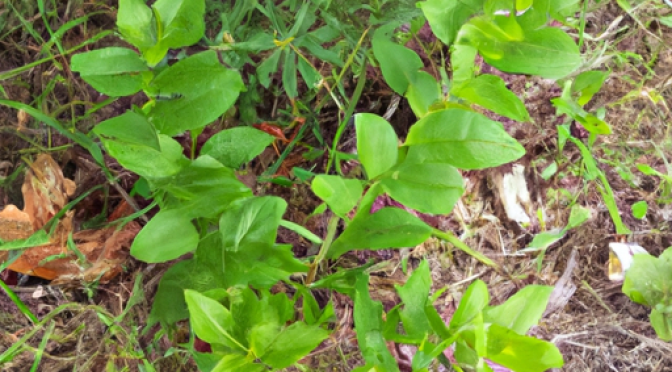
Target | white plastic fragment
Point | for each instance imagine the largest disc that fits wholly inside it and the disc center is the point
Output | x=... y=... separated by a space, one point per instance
x=514 y=194
x=620 y=259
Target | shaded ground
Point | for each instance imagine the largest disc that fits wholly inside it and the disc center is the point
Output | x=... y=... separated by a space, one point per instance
x=596 y=329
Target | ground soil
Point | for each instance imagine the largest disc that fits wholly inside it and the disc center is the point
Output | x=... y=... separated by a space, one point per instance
x=595 y=326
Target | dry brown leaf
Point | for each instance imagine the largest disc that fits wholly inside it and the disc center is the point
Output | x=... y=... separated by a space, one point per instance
x=45 y=192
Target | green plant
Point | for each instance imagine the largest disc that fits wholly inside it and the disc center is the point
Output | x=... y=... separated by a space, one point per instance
x=224 y=289
x=647 y=282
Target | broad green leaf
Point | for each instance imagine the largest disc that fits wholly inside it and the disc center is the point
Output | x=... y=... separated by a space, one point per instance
x=464 y=139
x=639 y=209
x=166 y=237
x=368 y=317
x=203 y=88
x=521 y=353
x=112 y=71
x=462 y=61
x=253 y=224
x=387 y=228
x=204 y=188
x=211 y=321
x=522 y=310
x=422 y=93
x=426 y=187
x=237 y=362
x=490 y=92
x=169 y=306
x=236 y=146
x=136 y=23
x=560 y=9
x=547 y=52
x=341 y=194
x=398 y=64
x=647 y=280
x=414 y=295
x=129 y=127
x=260 y=268
x=182 y=20
x=377 y=145
x=146 y=161
x=662 y=323
x=180 y=23
x=447 y=16
x=473 y=302
x=587 y=84
x=293 y=343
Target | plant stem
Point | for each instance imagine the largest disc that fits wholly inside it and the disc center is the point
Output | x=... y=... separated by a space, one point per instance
x=454 y=240
x=331 y=233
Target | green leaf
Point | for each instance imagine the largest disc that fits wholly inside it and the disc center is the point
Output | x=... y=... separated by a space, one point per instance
x=136 y=23
x=166 y=237
x=211 y=321
x=341 y=194
x=252 y=224
x=268 y=67
x=426 y=187
x=647 y=280
x=387 y=228
x=447 y=16
x=112 y=71
x=577 y=216
x=204 y=188
x=398 y=64
x=146 y=161
x=129 y=127
x=169 y=306
x=422 y=93
x=180 y=23
x=464 y=139
x=522 y=310
x=521 y=353
x=662 y=324
x=490 y=92
x=588 y=83
x=289 y=79
x=639 y=209
x=368 y=317
x=203 y=91
x=293 y=343
x=260 y=268
x=545 y=239
x=236 y=146
x=547 y=52
x=377 y=145
x=473 y=302
x=38 y=238
x=589 y=121
x=462 y=60
x=414 y=295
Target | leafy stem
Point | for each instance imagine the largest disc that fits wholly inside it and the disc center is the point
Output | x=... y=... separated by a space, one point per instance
x=331 y=233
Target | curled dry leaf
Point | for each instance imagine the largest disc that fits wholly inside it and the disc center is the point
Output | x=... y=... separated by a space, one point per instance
x=45 y=192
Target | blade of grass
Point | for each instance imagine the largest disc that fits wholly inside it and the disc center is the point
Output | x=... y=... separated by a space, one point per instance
x=19 y=304
x=43 y=345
